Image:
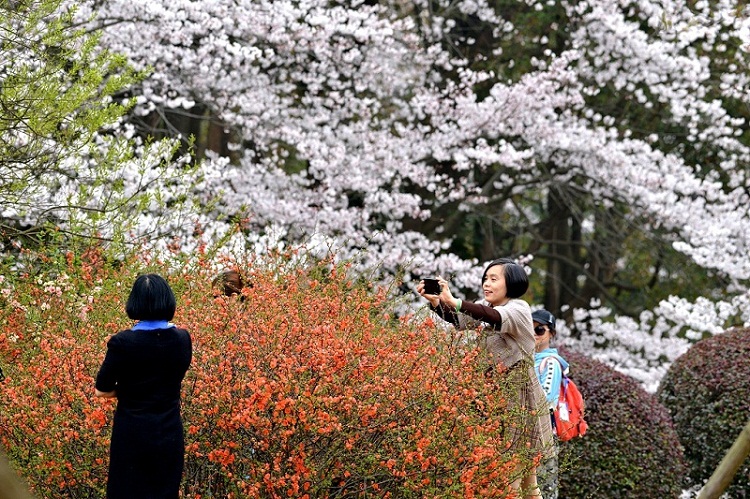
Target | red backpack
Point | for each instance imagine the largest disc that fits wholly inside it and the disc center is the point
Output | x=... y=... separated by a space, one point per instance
x=568 y=415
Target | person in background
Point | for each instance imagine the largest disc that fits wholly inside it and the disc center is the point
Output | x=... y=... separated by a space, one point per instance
x=228 y=283
x=508 y=338
x=549 y=367
x=143 y=368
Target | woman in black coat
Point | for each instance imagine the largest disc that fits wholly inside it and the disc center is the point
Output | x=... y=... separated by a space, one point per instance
x=143 y=368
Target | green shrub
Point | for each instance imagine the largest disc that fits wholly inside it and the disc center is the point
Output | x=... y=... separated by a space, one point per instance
x=707 y=392
x=631 y=449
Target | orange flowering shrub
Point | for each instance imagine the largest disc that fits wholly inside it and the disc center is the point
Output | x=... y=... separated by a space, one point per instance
x=306 y=386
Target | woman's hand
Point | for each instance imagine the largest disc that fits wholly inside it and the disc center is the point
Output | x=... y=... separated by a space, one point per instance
x=445 y=296
x=106 y=395
x=433 y=299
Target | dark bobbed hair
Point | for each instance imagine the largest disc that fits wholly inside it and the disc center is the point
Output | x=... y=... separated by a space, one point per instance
x=516 y=280
x=151 y=299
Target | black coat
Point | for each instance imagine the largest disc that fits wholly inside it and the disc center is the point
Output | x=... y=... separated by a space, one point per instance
x=147 y=452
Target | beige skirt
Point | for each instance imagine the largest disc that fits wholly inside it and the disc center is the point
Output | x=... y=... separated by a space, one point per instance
x=529 y=430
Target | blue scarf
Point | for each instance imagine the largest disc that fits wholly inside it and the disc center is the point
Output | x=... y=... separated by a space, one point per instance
x=149 y=325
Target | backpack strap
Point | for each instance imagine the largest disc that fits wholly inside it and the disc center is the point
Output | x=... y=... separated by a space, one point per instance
x=549 y=378
x=560 y=361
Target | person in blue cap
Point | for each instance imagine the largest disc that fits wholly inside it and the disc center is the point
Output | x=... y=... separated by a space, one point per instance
x=549 y=367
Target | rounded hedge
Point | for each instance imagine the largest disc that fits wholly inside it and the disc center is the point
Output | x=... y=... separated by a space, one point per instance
x=707 y=392
x=631 y=449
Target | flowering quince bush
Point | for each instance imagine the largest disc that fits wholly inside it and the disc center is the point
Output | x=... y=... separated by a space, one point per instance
x=306 y=386
x=54 y=330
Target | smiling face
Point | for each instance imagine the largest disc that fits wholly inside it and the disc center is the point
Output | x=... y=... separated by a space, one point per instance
x=493 y=286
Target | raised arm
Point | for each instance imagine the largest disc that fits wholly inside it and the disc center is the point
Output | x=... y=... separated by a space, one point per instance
x=482 y=313
x=446 y=313
x=446 y=306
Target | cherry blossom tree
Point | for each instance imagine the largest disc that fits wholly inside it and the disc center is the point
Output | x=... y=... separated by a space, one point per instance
x=603 y=142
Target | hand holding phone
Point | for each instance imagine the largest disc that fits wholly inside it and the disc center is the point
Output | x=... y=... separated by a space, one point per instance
x=431 y=286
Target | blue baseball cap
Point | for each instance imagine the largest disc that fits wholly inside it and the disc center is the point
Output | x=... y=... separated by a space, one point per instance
x=544 y=317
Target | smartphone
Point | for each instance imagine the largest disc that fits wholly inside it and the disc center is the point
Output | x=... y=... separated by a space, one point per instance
x=431 y=286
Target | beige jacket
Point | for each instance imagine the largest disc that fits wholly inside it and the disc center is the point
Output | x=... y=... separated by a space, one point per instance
x=511 y=344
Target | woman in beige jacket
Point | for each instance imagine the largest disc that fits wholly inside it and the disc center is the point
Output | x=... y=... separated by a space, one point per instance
x=507 y=337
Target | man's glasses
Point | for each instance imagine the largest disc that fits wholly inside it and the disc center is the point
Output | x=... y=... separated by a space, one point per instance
x=540 y=330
